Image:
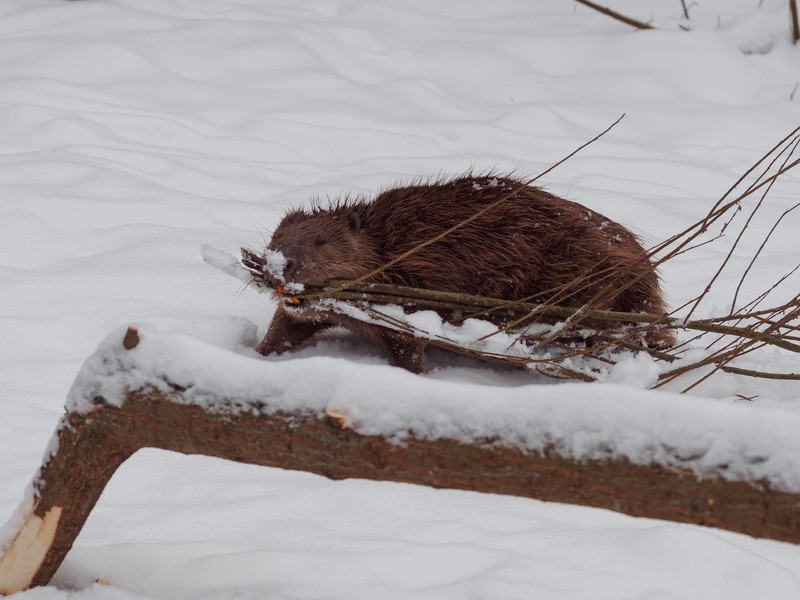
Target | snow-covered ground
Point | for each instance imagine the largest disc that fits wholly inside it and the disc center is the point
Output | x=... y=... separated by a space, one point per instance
x=132 y=132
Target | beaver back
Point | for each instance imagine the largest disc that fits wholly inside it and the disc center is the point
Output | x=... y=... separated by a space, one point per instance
x=532 y=245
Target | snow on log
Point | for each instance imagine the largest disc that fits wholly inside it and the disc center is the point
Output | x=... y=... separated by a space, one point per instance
x=689 y=460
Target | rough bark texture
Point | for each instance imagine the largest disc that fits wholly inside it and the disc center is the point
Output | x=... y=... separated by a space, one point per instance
x=93 y=446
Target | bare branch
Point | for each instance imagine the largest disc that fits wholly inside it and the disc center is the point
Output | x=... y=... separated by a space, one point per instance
x=761 y=374
x=615 y=15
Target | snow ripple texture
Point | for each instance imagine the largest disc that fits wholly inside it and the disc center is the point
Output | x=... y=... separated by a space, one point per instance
x=135 y=132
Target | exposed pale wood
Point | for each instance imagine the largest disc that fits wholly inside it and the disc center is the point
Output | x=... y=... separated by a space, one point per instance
x=20 y=564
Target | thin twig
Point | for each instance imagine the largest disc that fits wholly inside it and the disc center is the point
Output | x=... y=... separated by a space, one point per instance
x=719 y=358
x=736 y=202
x=615 y=15
x=547 y=366
x=758 y=252
x=718 y=208
x=485 y=209
x=761 y=374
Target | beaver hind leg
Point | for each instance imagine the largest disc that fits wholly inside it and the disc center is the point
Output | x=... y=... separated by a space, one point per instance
x=403 y=352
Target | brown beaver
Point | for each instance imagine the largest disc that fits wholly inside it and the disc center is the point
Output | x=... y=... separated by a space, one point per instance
x=533 y=245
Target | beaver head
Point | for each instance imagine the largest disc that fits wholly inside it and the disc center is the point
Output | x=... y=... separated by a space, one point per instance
x=321 y=245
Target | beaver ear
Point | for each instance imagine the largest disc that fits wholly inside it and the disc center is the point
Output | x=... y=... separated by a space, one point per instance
x=354 y=220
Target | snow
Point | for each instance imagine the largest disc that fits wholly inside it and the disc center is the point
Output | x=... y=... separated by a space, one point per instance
x=225 y=262
x=712 y=439
x=138 y=135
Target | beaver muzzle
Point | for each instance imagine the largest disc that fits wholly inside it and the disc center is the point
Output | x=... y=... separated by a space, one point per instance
x=288 y=300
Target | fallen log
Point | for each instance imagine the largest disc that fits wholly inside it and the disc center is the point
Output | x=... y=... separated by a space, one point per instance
x=94 y=440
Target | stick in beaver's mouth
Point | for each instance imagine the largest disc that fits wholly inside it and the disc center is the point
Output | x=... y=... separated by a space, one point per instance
x=255 y=265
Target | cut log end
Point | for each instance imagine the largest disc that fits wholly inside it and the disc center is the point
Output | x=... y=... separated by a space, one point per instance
x=24 y=557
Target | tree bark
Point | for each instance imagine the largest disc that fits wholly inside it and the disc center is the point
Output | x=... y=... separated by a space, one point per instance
x=92 y=446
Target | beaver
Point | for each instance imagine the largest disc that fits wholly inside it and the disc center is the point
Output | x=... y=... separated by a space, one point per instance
x=533 y=245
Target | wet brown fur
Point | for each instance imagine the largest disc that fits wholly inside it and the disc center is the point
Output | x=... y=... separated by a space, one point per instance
x=534 y=245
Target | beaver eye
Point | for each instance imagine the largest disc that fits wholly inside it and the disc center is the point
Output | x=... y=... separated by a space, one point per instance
x=319 y=241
